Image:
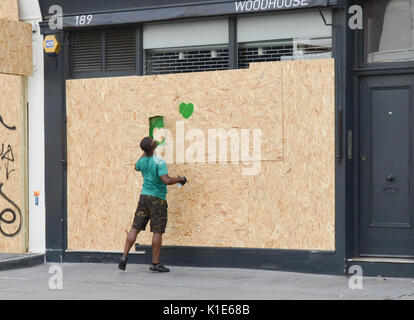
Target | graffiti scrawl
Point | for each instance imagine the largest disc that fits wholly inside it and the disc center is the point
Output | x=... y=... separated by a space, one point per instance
x=9 y=216
x=6 y=154
x=5 y=125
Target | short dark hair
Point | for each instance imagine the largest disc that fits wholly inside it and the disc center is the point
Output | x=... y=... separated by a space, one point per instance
x=146 y=144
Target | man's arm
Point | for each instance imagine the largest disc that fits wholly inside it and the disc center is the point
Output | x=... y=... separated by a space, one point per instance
x=170 y=181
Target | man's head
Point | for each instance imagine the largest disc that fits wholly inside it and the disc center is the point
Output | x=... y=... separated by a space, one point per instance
x=148 y=145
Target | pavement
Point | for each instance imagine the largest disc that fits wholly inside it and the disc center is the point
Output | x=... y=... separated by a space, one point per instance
x=105 y=281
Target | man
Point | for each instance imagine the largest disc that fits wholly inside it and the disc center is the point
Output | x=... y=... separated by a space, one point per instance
x=152 y=203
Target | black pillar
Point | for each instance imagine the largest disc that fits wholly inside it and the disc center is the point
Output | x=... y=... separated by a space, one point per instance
x=55 y=155
x=139 y=50
x=233 y=47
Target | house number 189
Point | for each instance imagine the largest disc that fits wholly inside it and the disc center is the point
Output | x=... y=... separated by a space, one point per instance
x=83 y=20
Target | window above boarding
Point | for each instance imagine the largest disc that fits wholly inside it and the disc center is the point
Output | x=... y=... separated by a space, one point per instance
x=388 y=31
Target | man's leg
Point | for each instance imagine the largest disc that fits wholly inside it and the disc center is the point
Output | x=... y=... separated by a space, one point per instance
x=130 y=240
x=158 y=224
x=156 y=247
x=156 y=250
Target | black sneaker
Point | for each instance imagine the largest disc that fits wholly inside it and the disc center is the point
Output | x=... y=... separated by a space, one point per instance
x=159 y=268
x=122 y=263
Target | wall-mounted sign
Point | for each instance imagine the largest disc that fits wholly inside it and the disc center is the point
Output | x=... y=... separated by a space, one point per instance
x=37 y=195
x=189 y=11
x=51 y=45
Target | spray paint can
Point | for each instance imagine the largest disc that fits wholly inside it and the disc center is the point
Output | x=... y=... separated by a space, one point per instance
x=179 y=184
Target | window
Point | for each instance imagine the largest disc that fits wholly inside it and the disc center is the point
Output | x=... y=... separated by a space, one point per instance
x=388 y=31
x=186 y=46
x=291 y=49
x=279 y=36
x=111 y=50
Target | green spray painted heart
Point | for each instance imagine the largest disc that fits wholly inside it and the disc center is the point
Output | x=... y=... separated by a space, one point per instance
x=186 y=109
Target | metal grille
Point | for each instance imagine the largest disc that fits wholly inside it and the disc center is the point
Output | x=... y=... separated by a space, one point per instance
x=293 y=49
x=87 y=51
x=186 y=60
x=120 y=49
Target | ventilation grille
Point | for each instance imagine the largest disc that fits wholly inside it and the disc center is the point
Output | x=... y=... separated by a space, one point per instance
x=120 y=49
x=186 y=60
x=103 y=50
x=87 y=51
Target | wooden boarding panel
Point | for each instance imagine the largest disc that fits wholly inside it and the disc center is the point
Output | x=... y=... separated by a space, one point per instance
x=294 y=201
x=11 y=164
x=16 y=53
x=287 y=204
x=9 y=10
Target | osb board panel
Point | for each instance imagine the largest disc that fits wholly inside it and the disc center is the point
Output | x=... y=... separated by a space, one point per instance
x=16 y=55
x=289 y=204
x=294 y=201
x=9 y=10
x=11 y=170
x=222 y=100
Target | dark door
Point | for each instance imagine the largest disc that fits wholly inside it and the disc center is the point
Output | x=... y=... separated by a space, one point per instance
x=386 y=166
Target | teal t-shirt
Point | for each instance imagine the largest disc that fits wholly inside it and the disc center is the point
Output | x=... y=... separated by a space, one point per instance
x=152 y=168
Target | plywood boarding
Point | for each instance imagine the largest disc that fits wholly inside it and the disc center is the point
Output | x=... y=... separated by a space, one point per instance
x=16 y=55
x=11 y=168
x=9 y=10
x=289 y=204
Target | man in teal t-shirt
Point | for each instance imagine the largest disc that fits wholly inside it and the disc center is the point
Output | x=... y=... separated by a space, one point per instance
x=152 y=169
x=152 y=205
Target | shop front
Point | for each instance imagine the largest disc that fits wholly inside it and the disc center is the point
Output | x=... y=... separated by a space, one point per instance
x=266 y=96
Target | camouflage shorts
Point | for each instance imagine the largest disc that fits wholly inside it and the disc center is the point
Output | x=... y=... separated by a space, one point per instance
x=154 y=209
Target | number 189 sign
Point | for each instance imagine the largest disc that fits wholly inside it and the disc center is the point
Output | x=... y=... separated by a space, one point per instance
x=84 y=20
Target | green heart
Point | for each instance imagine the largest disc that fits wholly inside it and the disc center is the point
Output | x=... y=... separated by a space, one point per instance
x=186 y=110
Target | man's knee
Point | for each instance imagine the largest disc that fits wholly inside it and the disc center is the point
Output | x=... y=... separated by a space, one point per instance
x=133 y=233
x=156 y=237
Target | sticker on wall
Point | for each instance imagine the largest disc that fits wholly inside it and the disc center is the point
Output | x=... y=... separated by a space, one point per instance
x=37 y=195
x=155 y=123
x=186 y=110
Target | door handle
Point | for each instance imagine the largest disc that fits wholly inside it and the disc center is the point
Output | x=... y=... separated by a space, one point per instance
x=338 y=142
x=390 y=178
